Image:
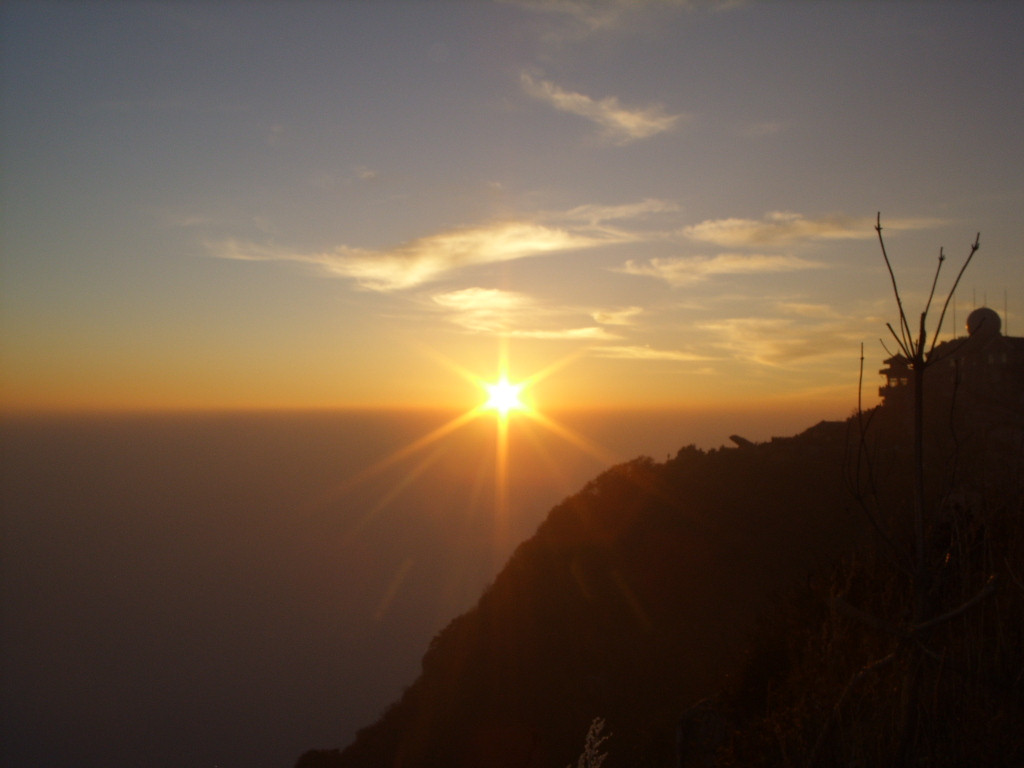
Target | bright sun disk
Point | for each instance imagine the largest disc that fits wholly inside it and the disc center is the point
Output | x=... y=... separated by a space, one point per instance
x=503 y=396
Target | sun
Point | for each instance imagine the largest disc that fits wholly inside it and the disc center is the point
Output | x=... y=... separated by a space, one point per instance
x=511 y=413
x=503 y=396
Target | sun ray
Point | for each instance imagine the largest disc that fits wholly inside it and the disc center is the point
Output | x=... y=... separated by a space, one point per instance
x=554 y=367
x=505 y=400
x=416 y=445
x=571 y=436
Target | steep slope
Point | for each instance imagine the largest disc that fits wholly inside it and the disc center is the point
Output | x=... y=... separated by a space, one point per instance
x=910 y=651
x=633 y=599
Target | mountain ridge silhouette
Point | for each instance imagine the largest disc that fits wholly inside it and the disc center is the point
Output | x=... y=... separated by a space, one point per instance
x=645 y=564
x=718 y=609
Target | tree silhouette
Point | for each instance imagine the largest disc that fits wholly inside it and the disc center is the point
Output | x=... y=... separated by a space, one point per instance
x=919 y=351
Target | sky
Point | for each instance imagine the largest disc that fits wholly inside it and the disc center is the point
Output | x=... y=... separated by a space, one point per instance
x=211 y=205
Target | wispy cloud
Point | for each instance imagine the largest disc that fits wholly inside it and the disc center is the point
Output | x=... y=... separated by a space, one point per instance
x=693 y=269
x=783 y=227
x=780 y=341
x=478 y=299
x=619 y=124
x=616 y=316
x=586 y=17
x=647 y=353
x=487 y=310
x=512 y=314
x=428 y=258
x=586 y=333
x=424 y=259
x=598 y=214
x=804 y=309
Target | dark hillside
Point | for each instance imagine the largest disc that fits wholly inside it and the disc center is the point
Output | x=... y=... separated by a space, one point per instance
x=876 y=661
x=757 y=605
x=665 y=600
x=634 y=599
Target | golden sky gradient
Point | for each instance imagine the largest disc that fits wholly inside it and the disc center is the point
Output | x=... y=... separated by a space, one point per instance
x=322 y=205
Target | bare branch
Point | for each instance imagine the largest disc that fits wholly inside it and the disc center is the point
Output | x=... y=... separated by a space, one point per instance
x=864 y=465
x=922 y=339
x=988 y=589
x=974 y=249
x=860 y=382
x=935 y=281
x=903 y=347
x=888 y=351
x=904 y=325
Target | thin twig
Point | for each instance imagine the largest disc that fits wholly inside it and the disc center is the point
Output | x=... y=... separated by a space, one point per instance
x=860 y=386
x=904 y=325
x=903 y=347
x=922 y=339
x=988 y=589
x=935 y=281
x=854 y=480
x=974 y=249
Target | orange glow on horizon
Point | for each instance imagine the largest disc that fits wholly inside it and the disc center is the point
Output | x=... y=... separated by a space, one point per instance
x=505 y=401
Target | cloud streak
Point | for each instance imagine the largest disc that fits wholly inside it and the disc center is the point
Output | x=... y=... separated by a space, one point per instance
x=779 y=342
x=783 y=227
x=424 y=259
x=431 y=257
x=483 y=310
x=616 y=316
x=596 y=215
x=586 y=17
x=647 y=353
x=510 y=314
x=586 y=333
x=688 y=270
x=619 y=124
x=589 y=16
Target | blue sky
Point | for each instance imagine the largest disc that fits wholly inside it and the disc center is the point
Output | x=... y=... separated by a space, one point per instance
x=344 y=204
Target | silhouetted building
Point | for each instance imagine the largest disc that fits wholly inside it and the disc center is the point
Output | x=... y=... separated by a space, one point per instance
x=983 y=369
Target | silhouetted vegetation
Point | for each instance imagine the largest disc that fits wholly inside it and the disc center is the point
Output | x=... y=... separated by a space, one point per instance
x=910 y=651
x=633 y=600
x=659 y=586
x=853 y=595
x=860 y=668
x=738 y=600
